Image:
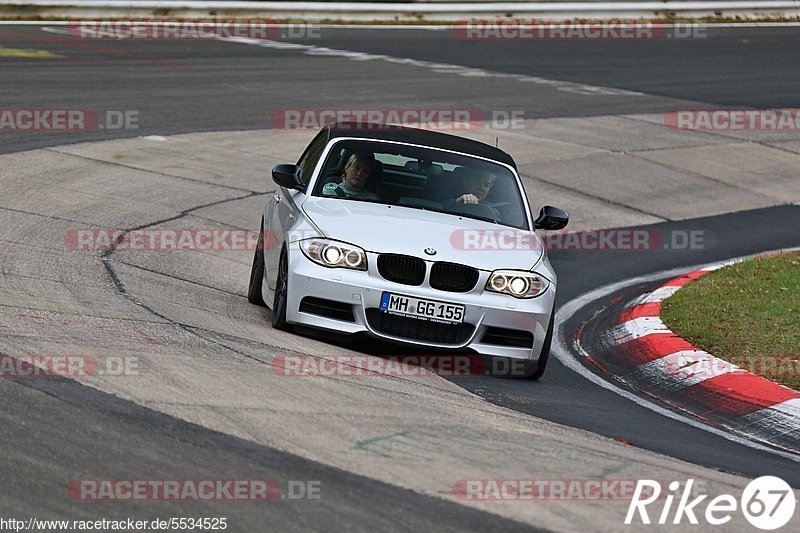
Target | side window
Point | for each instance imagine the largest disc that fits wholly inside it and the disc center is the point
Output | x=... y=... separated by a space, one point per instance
x=310 y=158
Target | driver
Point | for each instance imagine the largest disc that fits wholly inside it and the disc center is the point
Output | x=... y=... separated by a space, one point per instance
x=356 y=173
x=476 y=185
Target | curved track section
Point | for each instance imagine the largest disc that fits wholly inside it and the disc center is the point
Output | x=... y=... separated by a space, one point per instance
x=628 y=341
x=205 y=399
x=204 y=355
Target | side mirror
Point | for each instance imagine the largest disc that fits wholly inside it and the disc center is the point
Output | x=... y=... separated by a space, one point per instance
x=286 y=176
x=551 y=218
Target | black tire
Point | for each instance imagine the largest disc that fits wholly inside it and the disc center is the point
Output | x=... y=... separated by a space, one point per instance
x=545 y=355
x=257 y=271
x=281 y=295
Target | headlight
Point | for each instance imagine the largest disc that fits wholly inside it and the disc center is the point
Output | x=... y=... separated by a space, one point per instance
x=334 y=254
x=517 y=284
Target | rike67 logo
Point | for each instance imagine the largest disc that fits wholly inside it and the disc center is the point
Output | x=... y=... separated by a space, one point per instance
x=767 y=503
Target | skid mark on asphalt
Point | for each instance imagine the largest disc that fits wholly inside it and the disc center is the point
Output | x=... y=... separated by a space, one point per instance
x=440 y=68
x=363 y=445
x=425 y=447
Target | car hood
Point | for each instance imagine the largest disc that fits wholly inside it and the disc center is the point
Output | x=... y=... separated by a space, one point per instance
x=403 y=230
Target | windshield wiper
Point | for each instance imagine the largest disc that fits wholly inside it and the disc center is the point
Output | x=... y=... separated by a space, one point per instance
x=476 y=217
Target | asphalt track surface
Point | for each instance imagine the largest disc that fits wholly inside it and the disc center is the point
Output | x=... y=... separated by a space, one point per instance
x=205 y=86
x=184 y=86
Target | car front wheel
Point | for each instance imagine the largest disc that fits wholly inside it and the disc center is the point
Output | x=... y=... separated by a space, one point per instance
x=545 y=355
x=281 y=295
x=257 y=271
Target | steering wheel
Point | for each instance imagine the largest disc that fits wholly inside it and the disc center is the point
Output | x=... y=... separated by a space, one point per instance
x=479 y=210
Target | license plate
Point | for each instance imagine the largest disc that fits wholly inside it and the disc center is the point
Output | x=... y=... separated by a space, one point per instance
x=423 y=309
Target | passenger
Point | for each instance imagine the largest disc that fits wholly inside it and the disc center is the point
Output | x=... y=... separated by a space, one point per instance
x=354 y=179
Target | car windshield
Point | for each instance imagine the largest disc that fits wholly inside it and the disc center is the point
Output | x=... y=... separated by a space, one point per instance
x=422 y=178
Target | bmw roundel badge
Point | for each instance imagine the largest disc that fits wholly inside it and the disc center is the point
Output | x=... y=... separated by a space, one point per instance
x=430 y=251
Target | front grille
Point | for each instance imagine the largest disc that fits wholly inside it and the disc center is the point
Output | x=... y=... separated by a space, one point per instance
x=327 y=308
x=453 y=277
x=403 y=269
x=508 y=337
x=418 y=330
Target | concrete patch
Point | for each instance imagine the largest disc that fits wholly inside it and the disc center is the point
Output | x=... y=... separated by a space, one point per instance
x=96 y=191
x=651 y=188
x=617 y=133
x=729 y=135
x=764 y=170
x=530 y=146
x=585 y=211
x=232 y=160
x=791 y=146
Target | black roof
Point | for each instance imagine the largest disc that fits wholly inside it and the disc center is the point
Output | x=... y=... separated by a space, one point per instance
x=434 y=139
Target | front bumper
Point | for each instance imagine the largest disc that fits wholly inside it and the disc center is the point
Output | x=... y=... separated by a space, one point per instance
x=363 y=290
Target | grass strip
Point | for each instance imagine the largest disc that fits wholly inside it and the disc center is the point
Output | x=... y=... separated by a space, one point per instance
x=747 y=313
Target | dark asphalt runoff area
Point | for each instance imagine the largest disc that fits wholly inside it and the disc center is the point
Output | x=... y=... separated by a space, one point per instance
x=181 y=86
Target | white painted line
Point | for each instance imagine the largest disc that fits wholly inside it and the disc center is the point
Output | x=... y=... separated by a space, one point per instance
x=562 y=353
x=442 y=68
x=720 y=265
x=59 y=31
